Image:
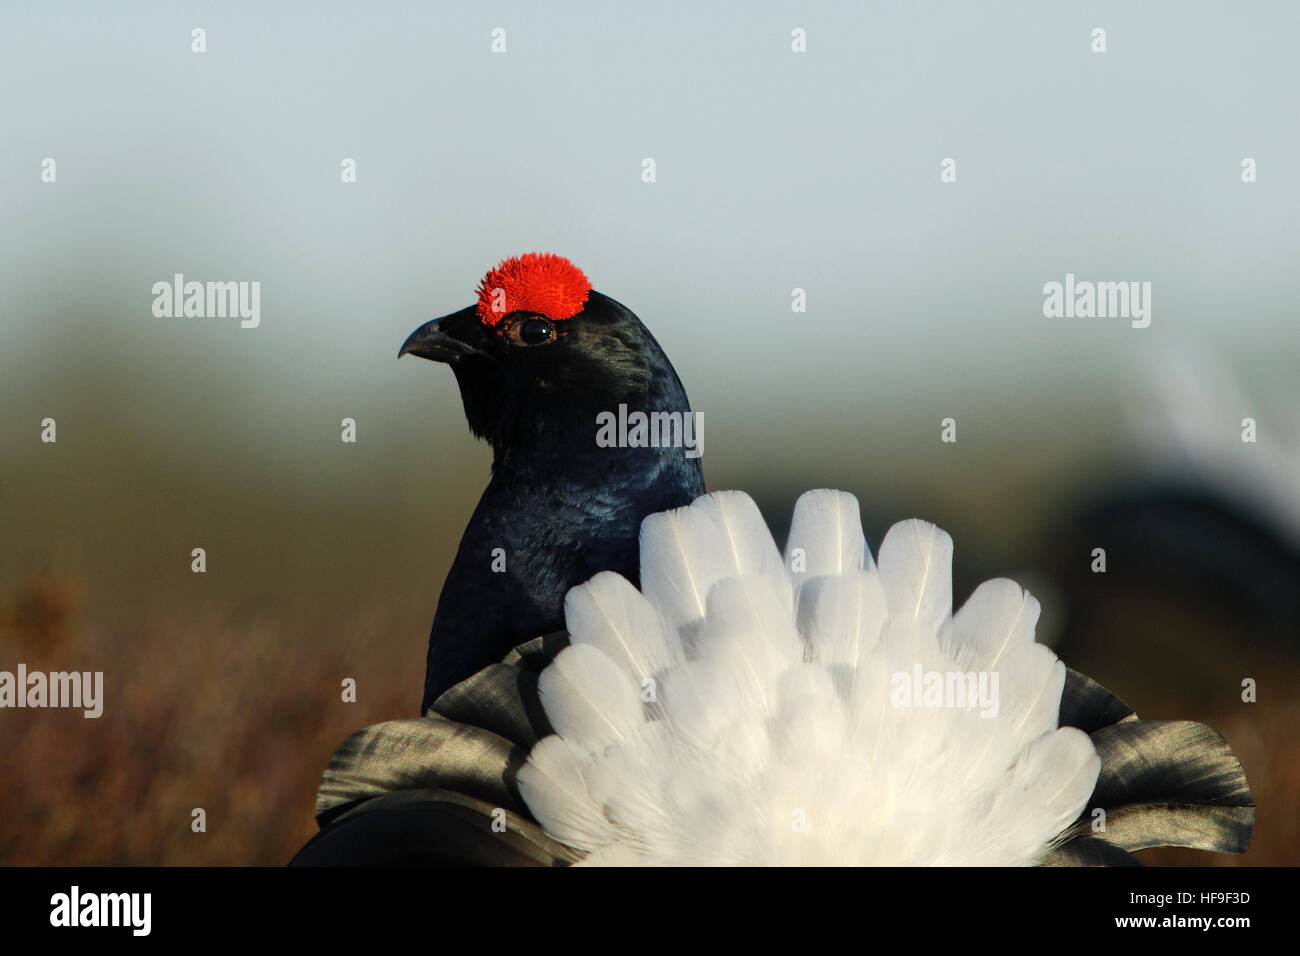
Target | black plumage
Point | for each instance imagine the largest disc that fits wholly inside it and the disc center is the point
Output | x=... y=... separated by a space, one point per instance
x=558 y=507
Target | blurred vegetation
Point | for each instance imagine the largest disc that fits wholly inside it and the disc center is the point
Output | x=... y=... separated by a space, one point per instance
x=222 y=690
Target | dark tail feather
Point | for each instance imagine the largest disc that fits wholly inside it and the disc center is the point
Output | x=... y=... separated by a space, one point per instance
x=1171 y=783
x=431 y=828
x=423 y=753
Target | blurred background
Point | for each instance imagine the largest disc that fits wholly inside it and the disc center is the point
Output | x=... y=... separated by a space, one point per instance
x=775 y=170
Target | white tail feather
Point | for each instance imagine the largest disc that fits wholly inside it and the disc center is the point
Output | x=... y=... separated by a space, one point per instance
x=749 y=634
x=870 y=725
x=999 y=616
x=842 y=616
x=676 y=570
x=916 y=571
x=589 y=700
x=748 y=547
x=611 y=615
x=825 y=536
x=553 y=786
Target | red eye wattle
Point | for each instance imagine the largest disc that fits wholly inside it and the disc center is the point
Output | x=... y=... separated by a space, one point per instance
x=539 y=282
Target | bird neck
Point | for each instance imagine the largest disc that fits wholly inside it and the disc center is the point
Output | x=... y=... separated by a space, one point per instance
x=652 y=430
x=579 y=466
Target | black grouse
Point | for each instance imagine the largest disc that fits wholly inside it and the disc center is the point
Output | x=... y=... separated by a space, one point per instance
x=539 y=359
x=501 y=767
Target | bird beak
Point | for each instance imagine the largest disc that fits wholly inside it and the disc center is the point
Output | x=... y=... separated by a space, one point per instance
x=449 y=339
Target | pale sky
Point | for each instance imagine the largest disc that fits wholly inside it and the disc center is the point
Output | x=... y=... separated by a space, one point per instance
x=775 y=170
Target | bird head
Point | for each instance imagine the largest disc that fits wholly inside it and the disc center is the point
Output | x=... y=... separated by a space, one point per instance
x=541 y=353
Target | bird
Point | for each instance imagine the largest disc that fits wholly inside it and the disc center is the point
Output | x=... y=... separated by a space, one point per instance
x=745 y=706
x=1200 y=529
x=541 y=358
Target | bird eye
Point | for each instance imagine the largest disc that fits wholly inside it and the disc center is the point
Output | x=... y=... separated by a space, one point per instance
x=533 y=330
